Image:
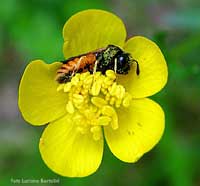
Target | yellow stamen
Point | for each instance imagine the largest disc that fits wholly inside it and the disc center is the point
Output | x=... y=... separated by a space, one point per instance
x=96 y=130
x=114 y=123
x=75 y=80
x=78 y=98
x=70 y=107
x=120 y=92
x=111 y=74
x=99 y=102
x=127 y=100
x=112 y=100
x=88 y=80
x=104 y=120
x=67 y=87
x=118 y=103
x=108 y=110
x=60 y=87
x=96 y=87
x=93 y=99
x=113 y=89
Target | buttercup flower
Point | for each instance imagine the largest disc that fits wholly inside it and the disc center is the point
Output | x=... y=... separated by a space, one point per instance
x=80 y=111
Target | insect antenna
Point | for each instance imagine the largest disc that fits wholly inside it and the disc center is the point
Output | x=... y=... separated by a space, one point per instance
x=137 y=66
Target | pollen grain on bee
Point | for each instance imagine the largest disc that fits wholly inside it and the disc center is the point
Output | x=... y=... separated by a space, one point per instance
x=93 y=99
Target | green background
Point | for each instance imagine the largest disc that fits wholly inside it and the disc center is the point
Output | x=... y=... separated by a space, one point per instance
x=33 y=30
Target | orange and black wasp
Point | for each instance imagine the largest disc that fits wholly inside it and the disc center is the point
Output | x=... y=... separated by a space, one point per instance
x=111 y=57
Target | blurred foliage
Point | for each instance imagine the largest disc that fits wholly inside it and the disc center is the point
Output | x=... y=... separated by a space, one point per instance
x=32 y=29
x=30 y=24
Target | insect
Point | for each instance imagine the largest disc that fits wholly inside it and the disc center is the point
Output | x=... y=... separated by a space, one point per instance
x=111 y=57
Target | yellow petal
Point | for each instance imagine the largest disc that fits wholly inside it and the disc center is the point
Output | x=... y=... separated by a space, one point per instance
x=140 y=128
x=68 y=152
x=90 y=30
x=153 y=68
x=39 y=101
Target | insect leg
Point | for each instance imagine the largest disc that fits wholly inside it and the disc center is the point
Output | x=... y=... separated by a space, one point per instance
x=76 y=66
x=95 y=67
x=79 y=62
x=115 y=65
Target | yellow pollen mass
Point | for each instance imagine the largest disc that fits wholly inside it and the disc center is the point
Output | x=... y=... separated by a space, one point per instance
x=93 y=100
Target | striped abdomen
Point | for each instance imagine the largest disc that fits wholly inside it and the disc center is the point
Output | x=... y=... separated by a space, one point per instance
x=79 y=64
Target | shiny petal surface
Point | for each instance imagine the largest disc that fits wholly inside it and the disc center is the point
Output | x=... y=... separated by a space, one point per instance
x=39 y=101
x=89 y=30
x=140 y=127
x=69 y=153
x=153 y=69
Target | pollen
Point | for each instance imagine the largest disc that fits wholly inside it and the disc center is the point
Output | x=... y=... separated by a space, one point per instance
x=93 y=100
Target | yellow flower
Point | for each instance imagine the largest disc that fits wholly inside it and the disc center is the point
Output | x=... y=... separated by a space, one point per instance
x=79 y=111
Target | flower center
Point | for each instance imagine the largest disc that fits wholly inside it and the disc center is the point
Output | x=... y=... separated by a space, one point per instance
x=93 y=99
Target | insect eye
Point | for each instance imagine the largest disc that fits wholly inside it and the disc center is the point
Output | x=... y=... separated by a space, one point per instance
x=121 y=58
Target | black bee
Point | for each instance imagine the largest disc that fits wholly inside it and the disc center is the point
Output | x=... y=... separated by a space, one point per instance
x=109 y=58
